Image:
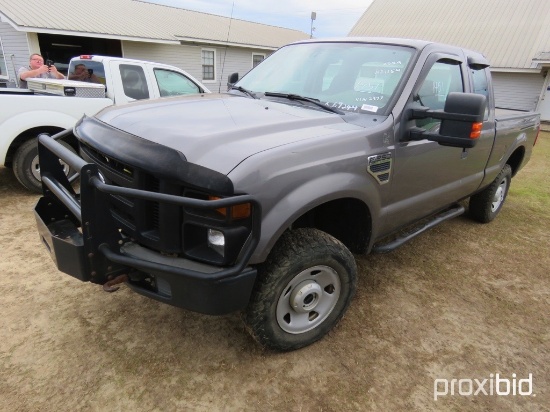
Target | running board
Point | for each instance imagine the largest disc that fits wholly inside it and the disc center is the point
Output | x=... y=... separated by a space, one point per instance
x=455 y=211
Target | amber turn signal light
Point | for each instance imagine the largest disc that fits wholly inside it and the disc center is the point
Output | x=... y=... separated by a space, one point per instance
x=241 y=211
x=476 y=130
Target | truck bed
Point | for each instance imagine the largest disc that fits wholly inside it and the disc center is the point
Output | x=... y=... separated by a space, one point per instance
x=502 y=114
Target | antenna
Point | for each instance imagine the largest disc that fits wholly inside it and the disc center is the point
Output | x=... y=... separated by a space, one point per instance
x=313 y=17
x=226 y=46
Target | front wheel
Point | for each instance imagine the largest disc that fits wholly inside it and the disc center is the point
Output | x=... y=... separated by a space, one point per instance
x=27 y=168
x=485 y=205
x=302 y=291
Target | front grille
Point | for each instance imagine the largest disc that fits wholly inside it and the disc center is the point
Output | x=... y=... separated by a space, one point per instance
x=124 y=218
x=109 y=162
x=154 y=185
x=153 y=224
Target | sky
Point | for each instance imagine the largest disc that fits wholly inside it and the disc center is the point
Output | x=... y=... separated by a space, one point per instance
x=334 y=18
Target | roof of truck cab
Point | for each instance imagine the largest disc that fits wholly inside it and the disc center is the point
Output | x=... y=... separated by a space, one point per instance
x=414 y=43
x=104 y=59
x=417 y=44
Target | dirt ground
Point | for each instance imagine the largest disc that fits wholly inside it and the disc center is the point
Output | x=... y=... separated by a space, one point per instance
x=463 y=301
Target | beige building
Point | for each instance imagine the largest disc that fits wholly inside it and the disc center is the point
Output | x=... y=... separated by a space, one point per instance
x=513 y=34
x=207 y=46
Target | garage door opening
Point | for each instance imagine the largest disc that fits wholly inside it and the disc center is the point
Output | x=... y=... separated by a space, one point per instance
x=61 y=49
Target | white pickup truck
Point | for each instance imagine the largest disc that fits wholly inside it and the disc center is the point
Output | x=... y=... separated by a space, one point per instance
x=25 y=113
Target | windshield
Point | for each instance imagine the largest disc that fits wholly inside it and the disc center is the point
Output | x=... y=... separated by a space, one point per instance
x=354 y=77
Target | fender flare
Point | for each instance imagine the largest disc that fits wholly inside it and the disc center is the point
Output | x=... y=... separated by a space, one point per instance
x=310 y=195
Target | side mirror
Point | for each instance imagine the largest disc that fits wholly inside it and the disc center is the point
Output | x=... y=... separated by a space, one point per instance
x=232 y=79
x=461 y=120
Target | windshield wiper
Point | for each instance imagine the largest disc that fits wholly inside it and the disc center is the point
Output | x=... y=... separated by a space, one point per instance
x=245 y=91
x=316 y=102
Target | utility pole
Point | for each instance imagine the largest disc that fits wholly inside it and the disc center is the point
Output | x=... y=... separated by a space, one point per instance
x=313 y=17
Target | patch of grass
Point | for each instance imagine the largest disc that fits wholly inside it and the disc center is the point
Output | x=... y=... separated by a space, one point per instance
x=532 y=184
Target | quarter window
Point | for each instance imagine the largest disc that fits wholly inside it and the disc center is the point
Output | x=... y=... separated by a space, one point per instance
x=208 y=68
x=481 y=86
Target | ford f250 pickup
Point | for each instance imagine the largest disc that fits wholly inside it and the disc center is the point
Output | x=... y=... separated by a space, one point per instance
x=255 y=200
x=25 y=114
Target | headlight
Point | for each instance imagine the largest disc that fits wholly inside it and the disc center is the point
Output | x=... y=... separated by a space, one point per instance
x=216 y=241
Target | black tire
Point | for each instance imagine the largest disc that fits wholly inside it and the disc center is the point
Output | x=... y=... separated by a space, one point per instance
x=486 y=205
x=310 y=275
x=27 y=169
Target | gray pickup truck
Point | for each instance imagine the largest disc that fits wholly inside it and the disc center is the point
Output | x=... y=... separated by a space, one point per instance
x=254 y=200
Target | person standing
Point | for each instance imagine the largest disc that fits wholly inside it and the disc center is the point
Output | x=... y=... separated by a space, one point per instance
x=37 y=68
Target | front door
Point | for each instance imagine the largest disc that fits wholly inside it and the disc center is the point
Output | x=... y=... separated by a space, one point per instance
x=129 y=82
x=427 y=176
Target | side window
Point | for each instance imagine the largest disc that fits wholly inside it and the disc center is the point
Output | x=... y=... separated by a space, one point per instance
x=481 y=86
x=134 y=81
x=442 y=79
x=174 y=84
x=208 y=68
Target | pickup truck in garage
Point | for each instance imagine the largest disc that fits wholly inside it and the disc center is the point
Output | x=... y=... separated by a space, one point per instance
x=255 y=200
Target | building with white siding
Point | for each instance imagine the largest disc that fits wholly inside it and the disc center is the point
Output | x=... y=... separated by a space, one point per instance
x=208 y=46
x=513 y=34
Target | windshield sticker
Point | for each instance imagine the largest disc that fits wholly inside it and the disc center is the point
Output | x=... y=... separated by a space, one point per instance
x=369 y=108
x=342 y=106
x=370 y=98
x=387 y=71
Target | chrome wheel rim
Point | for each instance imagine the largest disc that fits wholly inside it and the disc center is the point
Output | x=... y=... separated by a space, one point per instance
x=499 y=195
x=35 y=168
x=308 y=299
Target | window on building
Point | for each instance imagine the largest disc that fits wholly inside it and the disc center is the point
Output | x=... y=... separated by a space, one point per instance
x=257 y=59
x=208 y=68
x=3 y=64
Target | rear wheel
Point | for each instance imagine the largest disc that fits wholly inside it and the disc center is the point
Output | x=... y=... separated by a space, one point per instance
x=485 y=205
x=302 y=291
x=27 y=168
